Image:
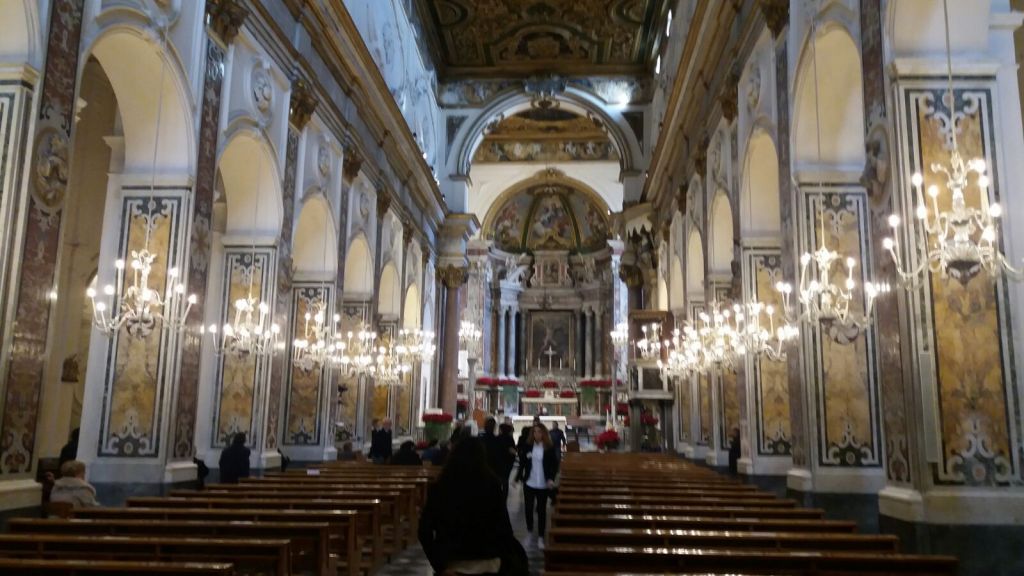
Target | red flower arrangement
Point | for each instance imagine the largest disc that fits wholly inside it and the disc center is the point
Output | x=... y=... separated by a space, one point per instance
x=566 y=394
x=442 y=418
x=422 y=445
x=461 y=404
x=595 y=383
x=609 y=439
x=487 y=381
x=648 y=419
x=508 y=382
x=533 y=394
x=549 y=384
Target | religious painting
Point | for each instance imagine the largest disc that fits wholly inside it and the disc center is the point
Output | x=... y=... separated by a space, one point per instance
x=550 y=225
x=548 y=216
x=136 y=376
x=847 y=402
x=591 y=222
x=730 y=415
x=975 y=396
x=507 y=228
x=551 y=340
x=771 y=377
x=302 y=402
x=246 y=276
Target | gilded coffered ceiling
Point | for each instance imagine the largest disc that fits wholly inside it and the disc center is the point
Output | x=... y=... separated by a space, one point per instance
x=501 y=38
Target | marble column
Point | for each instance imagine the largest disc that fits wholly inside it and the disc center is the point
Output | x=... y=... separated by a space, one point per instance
x=502 y=314
x=581 y=358
x=25 y=329
x=513 y=320
x=598 y=342
x=588 y=335
x=453 y=278
x=521 y=346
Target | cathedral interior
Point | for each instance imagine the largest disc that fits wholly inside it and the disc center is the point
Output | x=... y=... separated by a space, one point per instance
x=784 y=228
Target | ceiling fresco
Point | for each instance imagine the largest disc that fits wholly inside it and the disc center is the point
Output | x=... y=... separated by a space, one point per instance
x=489 y=38
x=546 y=135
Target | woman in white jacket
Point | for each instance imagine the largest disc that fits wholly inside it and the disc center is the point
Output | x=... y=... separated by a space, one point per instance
x=72 y=488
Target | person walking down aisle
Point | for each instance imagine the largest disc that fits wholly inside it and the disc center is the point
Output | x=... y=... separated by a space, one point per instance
x=234 y=460
x=557 y=438
x=539 y=468
x=380 y=443
x=464 y=528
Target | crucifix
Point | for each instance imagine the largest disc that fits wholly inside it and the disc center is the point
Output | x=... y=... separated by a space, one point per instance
x=550 y=353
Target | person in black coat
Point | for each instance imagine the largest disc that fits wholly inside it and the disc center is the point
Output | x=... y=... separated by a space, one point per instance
x=380 y=443
x=70 y=450
x=406 y=455
x=500 y=449
x=522 y=446
x=464 y=526
x=234 y=460
x=539 y=469
x=734 y=451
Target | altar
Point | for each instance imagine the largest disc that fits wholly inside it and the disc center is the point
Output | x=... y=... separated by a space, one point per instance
x=551 y=406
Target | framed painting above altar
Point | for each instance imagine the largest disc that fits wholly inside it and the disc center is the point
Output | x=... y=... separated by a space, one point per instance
x=551 y=336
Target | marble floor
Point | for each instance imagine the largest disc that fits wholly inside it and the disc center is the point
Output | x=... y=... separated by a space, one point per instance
x=412 y=562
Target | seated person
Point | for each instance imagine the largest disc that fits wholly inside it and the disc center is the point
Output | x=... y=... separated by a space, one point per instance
x=406 y=455
x=72 y=488
x=346 y=454
x=234 y=460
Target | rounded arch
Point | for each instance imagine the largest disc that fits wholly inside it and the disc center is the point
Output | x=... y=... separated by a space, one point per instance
x=389 y=296
x=249 y=171
x=839 y=87
x=573 y=100
x=721 y=232
x=135 y=64
x=969 y=22
x=695 y=263
x=20 y=35
x=358 y=267
x=677 y=290
x=759 y=189
x=543 y=178
x=315 y=247
x=411 y=309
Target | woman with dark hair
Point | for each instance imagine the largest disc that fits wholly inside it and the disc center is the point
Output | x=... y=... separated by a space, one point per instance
x=539 y=468
x=234 y=460
x=464 y=527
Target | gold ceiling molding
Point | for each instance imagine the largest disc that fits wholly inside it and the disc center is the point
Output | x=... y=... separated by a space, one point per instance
x=494 y=38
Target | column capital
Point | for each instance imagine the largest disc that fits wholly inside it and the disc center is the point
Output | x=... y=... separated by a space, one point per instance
x=776 y=14
x=302 y=104
x=383 y=201
x=226 y=18
x=452 y=276
x=729 y=98
x=351 y=164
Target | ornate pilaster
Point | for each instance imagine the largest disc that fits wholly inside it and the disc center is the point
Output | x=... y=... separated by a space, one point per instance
x=502 y=331
x=28 y=331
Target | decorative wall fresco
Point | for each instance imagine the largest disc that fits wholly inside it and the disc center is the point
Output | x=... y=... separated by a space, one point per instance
x=974 y=394
x=135 y=377
x=843 y=369
x=303 y=422
x=549 y=216
x=239 y=378
x=545 y=151
x=730 y=410
x=770 y=378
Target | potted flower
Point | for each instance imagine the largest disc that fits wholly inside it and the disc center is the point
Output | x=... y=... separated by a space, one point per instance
x=533 y=393
x=566 y=394
x=549 y=384
x=436 y=424
x=508 y=382
x=608 y=440
x=487 y=381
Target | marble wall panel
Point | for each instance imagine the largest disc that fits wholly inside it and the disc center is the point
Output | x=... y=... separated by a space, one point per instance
x=770 y=377
x=685 y=409
x=705 y=412
x=136 y=374
x=730 y=409
x=303 y=423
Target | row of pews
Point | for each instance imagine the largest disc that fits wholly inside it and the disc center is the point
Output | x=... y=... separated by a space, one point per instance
x=637 y=514
x=337 y=518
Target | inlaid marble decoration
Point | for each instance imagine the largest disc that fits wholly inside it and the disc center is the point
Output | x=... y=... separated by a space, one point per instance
x=404 y=408
x=969 y=322
x=705 y=410
x=685 y=409
x=770 y=378
x=844 y=364
x=348 y=399
x=730 y=411
x=303 y=422
x=239 y=378
x=136 y=378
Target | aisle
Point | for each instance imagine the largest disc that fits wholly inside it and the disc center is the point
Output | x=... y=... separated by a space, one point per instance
x=412 y=562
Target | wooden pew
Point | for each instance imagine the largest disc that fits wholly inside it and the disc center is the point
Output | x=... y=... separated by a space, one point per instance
x=249 y=556
x=362 y=477
x=596 y=559
x=602 y=491
x=21 y=566
x=670 y=499
x=368 y=516
x=344 y=540
x=310 y=541
x=731 y=511
x=656 y=522
x=704 y=538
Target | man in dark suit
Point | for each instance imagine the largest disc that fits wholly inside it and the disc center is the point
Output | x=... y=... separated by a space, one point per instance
x=380 y=443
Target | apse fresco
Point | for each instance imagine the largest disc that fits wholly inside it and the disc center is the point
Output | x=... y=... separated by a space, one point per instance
x=771 y=378
x=705 y=413
x=847 y=400
x=730 y=406
x=302 y=423
x=238 y=374
x=548 y=216
x=136 y=377
x=973 y=408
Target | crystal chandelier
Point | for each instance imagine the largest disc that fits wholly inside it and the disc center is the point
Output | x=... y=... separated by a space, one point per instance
x=317 y=345
x=649 y=347
x=822 y=300
x=717 y=338
x=758 y=333
x=417 y=345
x=140 y=307
x=356 y=353
x=250 y=331
x=962 y=240
x=469 y=336
x=391 y=363
x=683 y=355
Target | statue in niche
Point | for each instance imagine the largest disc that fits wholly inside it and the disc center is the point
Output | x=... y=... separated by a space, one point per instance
x=517 y=269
